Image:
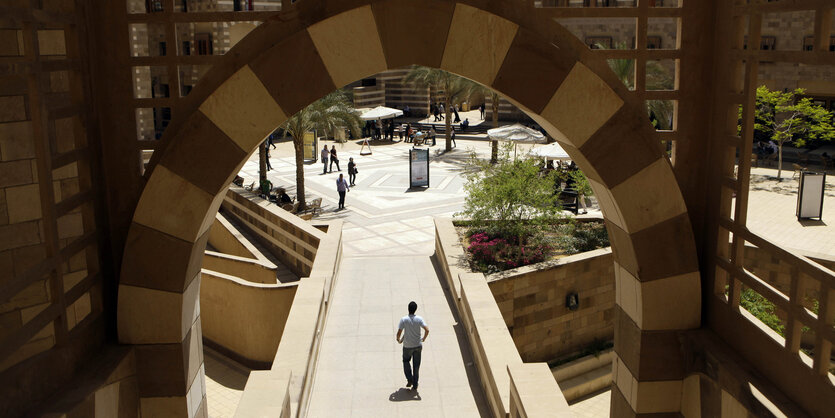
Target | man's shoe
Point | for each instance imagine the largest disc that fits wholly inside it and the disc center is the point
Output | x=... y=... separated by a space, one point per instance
x=415 y=386
x=408 y=384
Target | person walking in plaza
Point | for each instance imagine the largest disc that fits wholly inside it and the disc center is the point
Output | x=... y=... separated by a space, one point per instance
x=481 y=109
x=408 y=333
x=334 y=159
x=352 y=171
x=325 y=155
x=342 y=187
x=269 y=166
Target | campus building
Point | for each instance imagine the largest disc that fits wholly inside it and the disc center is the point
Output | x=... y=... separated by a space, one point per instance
x=122 y=124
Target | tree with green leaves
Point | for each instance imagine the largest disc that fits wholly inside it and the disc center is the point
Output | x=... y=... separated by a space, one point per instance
x=657 y=78
x=789 y=118
x=332 y=112
x=510 y=197
x=455 y=89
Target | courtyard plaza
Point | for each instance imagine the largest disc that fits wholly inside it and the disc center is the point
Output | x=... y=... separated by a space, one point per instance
x=388 y=238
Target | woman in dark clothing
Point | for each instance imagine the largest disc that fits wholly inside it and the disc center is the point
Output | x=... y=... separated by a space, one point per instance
x=352 y=171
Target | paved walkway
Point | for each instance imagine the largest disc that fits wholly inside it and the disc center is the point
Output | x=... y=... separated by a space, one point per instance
x=360 y=371
x=771 y=213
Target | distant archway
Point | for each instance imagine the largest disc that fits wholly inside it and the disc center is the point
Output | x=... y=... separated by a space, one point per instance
x=533 y=61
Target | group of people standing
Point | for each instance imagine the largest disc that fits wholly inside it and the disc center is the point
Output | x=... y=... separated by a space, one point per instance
x=379 y=129
x=438 y=111
x=342 y=186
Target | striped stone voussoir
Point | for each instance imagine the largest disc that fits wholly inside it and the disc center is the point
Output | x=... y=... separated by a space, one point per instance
x=290 y=63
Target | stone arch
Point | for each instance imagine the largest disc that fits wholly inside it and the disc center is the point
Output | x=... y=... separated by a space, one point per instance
x=533 y=61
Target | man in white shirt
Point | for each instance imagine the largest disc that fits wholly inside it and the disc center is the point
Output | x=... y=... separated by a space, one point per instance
x=408 y=333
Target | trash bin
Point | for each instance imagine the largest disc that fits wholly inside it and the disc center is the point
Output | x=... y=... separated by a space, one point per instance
x=810 y=195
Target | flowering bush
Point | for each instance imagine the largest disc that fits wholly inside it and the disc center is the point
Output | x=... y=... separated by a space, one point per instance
x=491 y=254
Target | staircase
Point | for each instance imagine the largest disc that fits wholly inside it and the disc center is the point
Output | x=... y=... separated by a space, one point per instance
x=585 y=375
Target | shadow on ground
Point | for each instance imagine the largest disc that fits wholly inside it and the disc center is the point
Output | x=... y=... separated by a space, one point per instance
x=404 y=394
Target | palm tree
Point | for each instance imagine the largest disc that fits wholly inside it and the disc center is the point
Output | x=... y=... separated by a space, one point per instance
x=494 y=101
x=455 y=89
x=327 y=114
x=657 y=78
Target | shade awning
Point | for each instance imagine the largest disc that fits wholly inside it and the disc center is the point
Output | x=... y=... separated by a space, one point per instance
x=551 y=151
x=381 y=112
x=517 y=133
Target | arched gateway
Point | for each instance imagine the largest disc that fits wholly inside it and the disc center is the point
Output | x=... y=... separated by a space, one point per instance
x=314 y=48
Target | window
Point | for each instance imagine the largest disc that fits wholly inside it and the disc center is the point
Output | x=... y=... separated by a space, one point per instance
x=239 y=5
x=186 y=48
x=653 y=42
x=596 y=42
x=767 y=43
x=203 y=43
x=152 y=6
x=162 y=49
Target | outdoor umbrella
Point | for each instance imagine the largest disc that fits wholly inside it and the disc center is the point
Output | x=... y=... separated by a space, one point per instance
x=551 y=151
x=381 y=112
x=518 y=134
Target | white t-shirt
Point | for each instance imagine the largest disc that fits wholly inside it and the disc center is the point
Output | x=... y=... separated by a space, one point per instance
x=411 y=325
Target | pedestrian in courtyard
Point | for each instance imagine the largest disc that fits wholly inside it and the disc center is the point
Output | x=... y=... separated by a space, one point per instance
x=391 y=131
x=452 y=137
x=325 y=155
x=269 y=166
x=441 y=110
x=408 y=333
x=352 y=171
x=481 y=109
x=270 y=140
x=334 y=159
x=342 y=187
x=465 y=124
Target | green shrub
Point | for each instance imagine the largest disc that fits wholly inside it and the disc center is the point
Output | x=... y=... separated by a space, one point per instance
x=763 y=309
x=578 y=237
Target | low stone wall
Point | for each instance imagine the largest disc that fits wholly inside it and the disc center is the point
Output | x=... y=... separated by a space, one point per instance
x=225 y=238
x=532 y=300
x=245 y=319
x=512 y=387
x=249 y=269
x=283 y=390
x=291 y=239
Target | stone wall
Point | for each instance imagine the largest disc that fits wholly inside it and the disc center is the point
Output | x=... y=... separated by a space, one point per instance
x=532 y=300
x=51 y=284
x=292 y=240
x=513 y=388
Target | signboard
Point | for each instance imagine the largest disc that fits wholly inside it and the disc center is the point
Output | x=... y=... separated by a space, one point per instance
x=810 y=195
x=418 y=168
x=309 y=146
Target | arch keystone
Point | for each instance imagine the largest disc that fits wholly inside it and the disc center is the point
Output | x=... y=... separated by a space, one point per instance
x=343 y=38
x=581 y=105
x=477 y=43
x=243 y=109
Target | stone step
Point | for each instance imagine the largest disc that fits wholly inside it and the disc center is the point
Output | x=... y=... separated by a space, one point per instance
x=587 y=383
x=585 y=375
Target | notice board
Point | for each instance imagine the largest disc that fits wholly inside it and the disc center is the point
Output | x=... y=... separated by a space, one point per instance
x=810 y=195
x=418 y=168
x=310 y=146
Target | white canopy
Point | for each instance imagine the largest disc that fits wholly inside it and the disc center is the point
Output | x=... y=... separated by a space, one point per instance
x=517 y=133
x=381 y=112
x=551 y=151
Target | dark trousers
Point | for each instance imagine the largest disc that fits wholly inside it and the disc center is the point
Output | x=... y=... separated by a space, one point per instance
x=334 y=160
x=352 y=178
x=341 y=200
x=325 y=168
x=411 y=370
